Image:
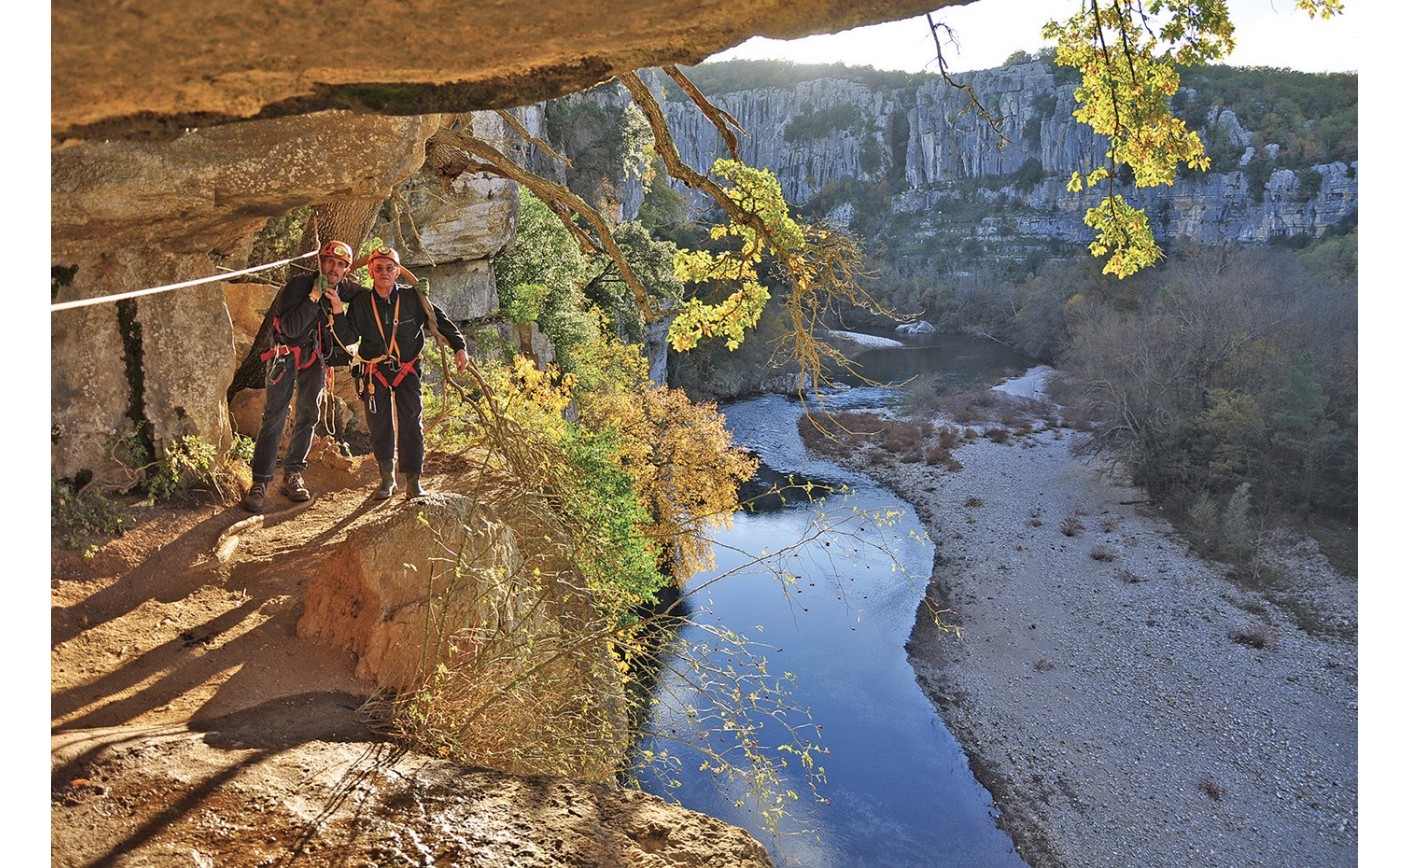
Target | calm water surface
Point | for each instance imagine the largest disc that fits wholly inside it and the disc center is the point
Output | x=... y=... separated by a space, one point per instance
x=898 y=787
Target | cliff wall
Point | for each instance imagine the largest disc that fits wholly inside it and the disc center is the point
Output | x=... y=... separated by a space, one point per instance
x=920 y=162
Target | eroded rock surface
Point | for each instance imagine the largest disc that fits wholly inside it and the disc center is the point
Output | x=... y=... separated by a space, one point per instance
x=176 y=797
x=124 y=70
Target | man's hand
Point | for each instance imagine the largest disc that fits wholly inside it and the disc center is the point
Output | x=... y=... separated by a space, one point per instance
x=462 y=360
x=335 y=303
x=423 y=286
x=320 y=286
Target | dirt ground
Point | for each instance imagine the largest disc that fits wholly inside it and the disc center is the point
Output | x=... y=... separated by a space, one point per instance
x=190 y=726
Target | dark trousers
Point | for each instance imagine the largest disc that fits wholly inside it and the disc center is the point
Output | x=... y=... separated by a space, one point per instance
x=406 y=442
x=282 y=379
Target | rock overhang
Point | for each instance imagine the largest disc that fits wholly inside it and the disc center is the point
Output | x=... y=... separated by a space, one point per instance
x=155 y=69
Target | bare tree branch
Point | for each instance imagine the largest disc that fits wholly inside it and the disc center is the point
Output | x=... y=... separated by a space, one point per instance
x=993 y=122
x=562 y=201
x=537 y=142
x=722 y=119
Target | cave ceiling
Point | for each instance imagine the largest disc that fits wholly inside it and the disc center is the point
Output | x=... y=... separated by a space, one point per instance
x=130 y=70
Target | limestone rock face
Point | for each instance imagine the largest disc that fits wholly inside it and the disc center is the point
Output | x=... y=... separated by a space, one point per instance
x=450 y=234
x=443 y=581
x=381 y=591
x=940 y=156
x=247 y=303
x=166 y=359
x=118 y=70
x=804 y=161
x=466 y=290
x=211 y=187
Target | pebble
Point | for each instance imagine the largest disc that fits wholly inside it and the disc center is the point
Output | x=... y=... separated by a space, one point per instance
x=1259 y=725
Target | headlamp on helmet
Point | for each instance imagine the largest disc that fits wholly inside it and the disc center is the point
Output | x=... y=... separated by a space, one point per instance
x=383 y=252
x=337 y=250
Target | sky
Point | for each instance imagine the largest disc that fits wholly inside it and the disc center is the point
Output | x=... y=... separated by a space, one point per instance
x=985 y=33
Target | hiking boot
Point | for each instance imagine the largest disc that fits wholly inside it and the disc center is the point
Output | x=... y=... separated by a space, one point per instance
x=388 y=484
x=254 y=500
x=413 y=486
x=294 y=487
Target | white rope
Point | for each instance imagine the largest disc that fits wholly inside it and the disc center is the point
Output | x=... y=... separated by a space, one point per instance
x=65 y=305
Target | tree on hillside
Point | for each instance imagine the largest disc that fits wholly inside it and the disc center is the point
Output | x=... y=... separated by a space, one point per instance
x=1127 y=52
x=1229 y=371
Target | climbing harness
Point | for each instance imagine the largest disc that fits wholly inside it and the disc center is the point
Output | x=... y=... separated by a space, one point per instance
x=279 y=350
x=380 y=366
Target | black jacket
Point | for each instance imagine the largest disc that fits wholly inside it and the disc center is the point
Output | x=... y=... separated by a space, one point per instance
x=303 y=323
x=361 y=319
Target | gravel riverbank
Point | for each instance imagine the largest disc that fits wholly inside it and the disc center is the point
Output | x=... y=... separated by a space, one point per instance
x=1109 y=686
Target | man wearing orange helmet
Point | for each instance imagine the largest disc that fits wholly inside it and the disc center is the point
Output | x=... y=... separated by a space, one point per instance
x=389 y=326
x=298 y=360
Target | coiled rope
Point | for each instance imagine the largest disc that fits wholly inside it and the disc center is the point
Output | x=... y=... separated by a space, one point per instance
x=82 y=302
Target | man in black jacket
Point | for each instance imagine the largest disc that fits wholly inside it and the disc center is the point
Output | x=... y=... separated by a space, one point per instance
x=389 y=325
x=298 y=360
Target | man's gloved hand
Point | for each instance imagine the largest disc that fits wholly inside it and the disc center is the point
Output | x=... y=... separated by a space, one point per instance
x=320 y=286
x=423 y=286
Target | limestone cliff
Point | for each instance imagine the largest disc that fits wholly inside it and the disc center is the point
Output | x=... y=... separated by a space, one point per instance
x=920 y=162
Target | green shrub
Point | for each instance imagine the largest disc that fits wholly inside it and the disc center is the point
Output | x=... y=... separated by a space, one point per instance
x=523 y=302
x=189 y=462
x=1238 y=541
x=607 y=517
x=84 y=513
x=242 y=449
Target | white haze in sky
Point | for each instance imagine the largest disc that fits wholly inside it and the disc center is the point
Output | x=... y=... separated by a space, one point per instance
x=985 y=33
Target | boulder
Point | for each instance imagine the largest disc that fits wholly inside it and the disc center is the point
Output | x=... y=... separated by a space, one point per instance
x=465 y=290
x=504 y=655
x=916 y=328
x=388 y=594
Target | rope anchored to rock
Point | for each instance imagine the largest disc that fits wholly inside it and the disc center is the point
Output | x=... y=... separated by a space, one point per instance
x=82 y=302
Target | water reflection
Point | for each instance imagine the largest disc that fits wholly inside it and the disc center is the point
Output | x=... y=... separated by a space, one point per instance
x=834 y=611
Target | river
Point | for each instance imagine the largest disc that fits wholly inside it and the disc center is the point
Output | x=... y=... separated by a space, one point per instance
x=828 y=592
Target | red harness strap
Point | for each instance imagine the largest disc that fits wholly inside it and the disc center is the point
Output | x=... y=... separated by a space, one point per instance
x=391 y=357
x=277 y=349
x=406 y=368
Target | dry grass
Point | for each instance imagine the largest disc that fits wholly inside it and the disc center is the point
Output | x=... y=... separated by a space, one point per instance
x=1072 y=526
x=1103 y=552
x=1263 y=637
x=1211 y=788
x=948 y=437
x=937 y=455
